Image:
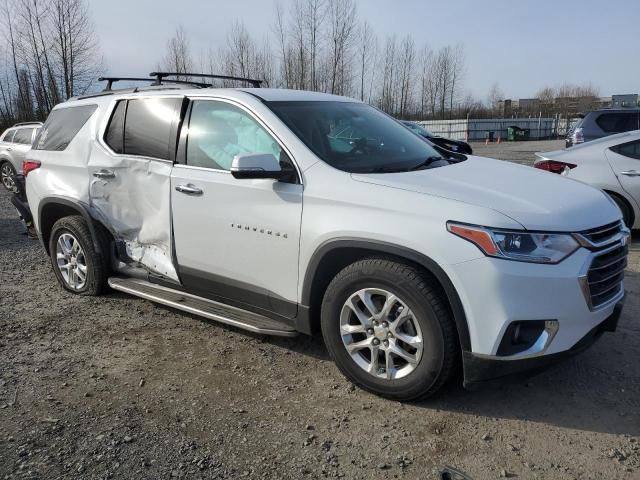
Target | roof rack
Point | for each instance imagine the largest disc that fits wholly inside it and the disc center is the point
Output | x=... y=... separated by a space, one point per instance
x=27 y=123
x=111 y=80
x=161 y=76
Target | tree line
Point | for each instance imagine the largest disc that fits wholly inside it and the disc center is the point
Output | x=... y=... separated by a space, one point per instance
x=49 y=53
x=323 y=45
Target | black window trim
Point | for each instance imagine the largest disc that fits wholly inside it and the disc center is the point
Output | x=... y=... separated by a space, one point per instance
x=112 y=108
x=181 y=157
x=617 y=148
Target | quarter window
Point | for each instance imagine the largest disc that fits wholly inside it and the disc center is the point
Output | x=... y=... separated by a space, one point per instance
x=618 y=122
x=150 y=127
x=631 y=149
x=219 y=131
x=8 y=137
x=61 y=127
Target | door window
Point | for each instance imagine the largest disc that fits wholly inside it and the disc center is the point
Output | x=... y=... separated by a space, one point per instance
x=23 y=136
x=219 y=131
x=150 y=127
x=631 y=149
x=114 y=136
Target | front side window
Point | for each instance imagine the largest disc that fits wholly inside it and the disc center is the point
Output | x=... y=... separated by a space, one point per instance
x=23 y=136
x=631 y=149
x=355 y=137
x=150 y=127
x=218 y=131
x=61 y=127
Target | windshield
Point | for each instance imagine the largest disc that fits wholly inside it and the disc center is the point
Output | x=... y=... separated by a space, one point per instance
x=357 y=138
x=419 y=129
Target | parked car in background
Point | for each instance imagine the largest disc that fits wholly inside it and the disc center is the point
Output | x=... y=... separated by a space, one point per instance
x=611 y=164
x=15 y=142
x=602 y=123
x=408 y=259
x=457 y=146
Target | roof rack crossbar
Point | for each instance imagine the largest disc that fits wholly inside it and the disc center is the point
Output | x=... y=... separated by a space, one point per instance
x=111 y=80
x=160 y=77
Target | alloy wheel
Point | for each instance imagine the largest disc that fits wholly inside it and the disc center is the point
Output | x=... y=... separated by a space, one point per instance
x=71 y=261
x=381 y=333
x=6 y=173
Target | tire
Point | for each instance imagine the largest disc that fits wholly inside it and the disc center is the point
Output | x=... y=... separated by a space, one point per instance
x=627 y=213
x=6 y=175
x=69 y=231
x=429 y=317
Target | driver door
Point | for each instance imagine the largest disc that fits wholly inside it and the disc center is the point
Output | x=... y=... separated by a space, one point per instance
x=237 y=239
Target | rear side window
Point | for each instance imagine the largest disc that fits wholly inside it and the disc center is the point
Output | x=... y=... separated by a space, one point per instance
x=8 y=137
x=631 y=149
x=150 y=127
x=23 y=136
x=618 y=122
x=62 y=126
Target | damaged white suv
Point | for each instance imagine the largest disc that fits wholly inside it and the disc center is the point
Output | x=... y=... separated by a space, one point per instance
x=285 y=212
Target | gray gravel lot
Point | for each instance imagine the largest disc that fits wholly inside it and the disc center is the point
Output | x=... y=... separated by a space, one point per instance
x=117 y=387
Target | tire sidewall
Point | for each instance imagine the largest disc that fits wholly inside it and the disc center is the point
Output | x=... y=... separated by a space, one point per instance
x=59 y=229
x=431 y=363
x=2 y=165
x=624 y=208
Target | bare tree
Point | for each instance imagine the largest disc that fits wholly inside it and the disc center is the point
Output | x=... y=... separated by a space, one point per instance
x=178 y=57
x=494 y=96
x=366 y=54
x=342 y=29
x=407 y=57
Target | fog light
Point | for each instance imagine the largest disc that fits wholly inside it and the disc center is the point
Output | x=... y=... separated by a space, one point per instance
x=523 y=335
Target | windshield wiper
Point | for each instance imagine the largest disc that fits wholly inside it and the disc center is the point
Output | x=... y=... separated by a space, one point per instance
x=426 y=163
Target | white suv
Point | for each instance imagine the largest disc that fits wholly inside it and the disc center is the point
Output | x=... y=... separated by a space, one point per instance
x=15 y=142
x=286 y=212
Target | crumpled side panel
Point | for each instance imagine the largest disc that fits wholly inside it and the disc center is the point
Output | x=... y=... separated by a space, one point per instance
x=136 y=206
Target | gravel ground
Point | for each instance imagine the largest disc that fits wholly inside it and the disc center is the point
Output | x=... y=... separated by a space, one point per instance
x=117 y=387
x=520 y=152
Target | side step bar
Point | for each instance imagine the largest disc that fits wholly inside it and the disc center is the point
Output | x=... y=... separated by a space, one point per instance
x=203 y=307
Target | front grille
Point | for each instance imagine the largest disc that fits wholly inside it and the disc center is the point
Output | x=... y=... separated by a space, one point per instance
x=601 y=235
x=605 y=275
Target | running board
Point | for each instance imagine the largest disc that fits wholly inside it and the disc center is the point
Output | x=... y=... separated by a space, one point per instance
x=203 y=307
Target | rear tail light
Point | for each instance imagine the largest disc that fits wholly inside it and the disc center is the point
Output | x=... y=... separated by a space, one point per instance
x=578 y=136
x=554 y=166
x=30 y=165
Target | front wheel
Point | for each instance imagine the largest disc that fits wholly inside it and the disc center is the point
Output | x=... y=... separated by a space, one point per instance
x=389 y=329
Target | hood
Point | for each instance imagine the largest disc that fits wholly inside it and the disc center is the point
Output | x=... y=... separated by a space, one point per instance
x=536 y=199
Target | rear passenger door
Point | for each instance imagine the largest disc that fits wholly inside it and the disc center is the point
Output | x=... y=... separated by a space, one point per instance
x=130 y=178
x=625 y=162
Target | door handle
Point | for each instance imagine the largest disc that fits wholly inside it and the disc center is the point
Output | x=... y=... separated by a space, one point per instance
x=189 y=189
x=104 y=174
x=631 y=173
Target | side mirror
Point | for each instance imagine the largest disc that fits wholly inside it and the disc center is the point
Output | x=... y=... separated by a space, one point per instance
x=256 y=165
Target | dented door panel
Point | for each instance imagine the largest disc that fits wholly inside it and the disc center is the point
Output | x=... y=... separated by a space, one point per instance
x=132 y=197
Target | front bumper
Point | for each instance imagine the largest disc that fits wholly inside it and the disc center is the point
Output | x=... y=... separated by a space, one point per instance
x=480 y=369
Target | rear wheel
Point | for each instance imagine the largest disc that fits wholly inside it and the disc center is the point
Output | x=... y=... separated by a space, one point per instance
x=76 y=264
x=389 y=329
x=7 y=173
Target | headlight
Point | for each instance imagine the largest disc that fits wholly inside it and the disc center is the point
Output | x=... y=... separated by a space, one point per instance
x=517 y=245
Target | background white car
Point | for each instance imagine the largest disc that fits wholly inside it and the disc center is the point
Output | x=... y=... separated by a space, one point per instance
x=610 y=163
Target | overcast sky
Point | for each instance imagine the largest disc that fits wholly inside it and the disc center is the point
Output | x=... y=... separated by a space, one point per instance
x=521 y=44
